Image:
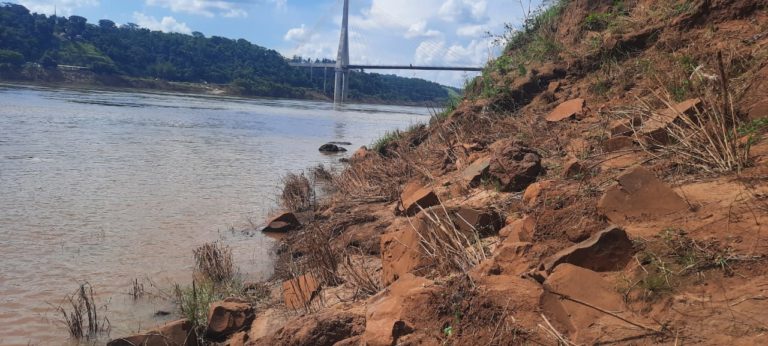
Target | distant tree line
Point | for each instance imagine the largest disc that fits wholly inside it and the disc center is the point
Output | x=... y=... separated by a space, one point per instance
x=130 y=50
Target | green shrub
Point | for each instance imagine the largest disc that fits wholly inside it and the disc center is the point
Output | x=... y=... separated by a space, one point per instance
x=11 y=58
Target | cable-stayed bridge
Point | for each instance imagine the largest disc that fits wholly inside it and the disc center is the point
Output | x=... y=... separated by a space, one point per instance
x=342 y=66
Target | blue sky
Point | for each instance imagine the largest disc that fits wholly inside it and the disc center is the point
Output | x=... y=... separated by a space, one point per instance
x=430 y=32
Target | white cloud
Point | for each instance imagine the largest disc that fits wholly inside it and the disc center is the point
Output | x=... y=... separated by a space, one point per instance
x=470 y=31
x=458 y=10
x=166 y=24
x=420 y=30
x=207 y=8
x=60 y=7
x=296 y=34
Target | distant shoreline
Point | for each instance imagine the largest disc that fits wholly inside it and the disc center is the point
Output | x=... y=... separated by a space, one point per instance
x=91 y=80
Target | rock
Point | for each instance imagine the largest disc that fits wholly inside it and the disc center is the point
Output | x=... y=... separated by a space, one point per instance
x=298 y=292
x=266 y=322
x=226 y=318
x=400 y=252
x=285 y=222
x=608 y=250
x=521 y=230
x=239 y=339
x=624 y=127
x=656 y=127
x=573 y=169
x=639 y=195
x=532 y=193
x=618 y=143
x=386 y=317
x=340 y=143
x=468 y=220
x=177 y=333
x=511 y=258
x=414 y=196
x=331 y=148
x=582 y=323
x=321 y=329
x=514 y=166
x=475 y=173
x=566 y=110
x=553 y=87
x=360 y=153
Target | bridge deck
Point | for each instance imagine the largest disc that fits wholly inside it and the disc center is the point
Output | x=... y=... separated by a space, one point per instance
x=388 y=67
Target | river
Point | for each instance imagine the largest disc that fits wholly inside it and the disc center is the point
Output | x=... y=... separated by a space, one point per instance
x=111 y=186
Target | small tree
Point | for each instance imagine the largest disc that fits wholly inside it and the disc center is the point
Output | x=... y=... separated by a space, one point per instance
x=49 y=61
x=11 y=58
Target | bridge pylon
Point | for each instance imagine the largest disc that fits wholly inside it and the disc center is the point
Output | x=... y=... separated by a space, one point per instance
x=341 y=85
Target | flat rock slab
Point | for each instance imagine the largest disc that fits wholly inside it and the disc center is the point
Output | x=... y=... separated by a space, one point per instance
x=656 y=126
x=478 y=170
x=608 y=250
x=298 y=292
x=386 y=317
x=176 y=333
x=583 y=324
x=566 y=110
x=416 y=197
x=618 y=143
x=639 y=195
x=282 y=223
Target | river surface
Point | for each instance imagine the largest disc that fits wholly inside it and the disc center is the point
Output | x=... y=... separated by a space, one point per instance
x=110 y=186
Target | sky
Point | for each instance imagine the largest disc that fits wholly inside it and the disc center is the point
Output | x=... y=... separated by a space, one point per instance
x=418 y=32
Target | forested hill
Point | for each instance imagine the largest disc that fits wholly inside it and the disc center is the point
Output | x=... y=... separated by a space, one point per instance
x=129 y=50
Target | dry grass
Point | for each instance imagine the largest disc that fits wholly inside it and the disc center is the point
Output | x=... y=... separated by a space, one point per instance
x=376 y=178
x=448 y=247
x=214 y=262
x=321 y=260
x=298 y=193
x=361 y=276
x=705 y=138
x=137 y=289
x=80 y=314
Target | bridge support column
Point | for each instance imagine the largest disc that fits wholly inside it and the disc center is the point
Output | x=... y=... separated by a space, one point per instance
x=341 y=85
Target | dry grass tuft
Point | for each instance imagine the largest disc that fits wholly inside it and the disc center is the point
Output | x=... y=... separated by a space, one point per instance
x=449 y=247
x=81 y=314
x=214 y=261
x=705 y=138
x=376 y=178
x=361 y=276
x=298 y=193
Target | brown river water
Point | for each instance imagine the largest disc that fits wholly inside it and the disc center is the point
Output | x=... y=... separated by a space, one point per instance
x=111 y=186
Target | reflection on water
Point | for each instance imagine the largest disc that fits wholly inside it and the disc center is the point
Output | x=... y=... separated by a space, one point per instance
x=112 y=186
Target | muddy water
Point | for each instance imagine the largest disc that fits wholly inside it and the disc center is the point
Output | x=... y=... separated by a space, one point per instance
x=107 y=187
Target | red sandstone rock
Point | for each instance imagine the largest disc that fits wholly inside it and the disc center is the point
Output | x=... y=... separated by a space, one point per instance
x=360 y=153
x=521 y=230
x=535 y=190
x=639 y=195
x=618 y=143
x=226 y=318
x=566 y=110
x=299 y=291
x=573 y=169
x=400 y=252
x=656 y=126
x=513 y=165
x=584 y=324
x=608 y=250
x=415 y=197
x=473 y=174
x=578 y=147
x=326 y=328
x=285 y=222
x=470 y=220
x=177 y=333
x=386 y=317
